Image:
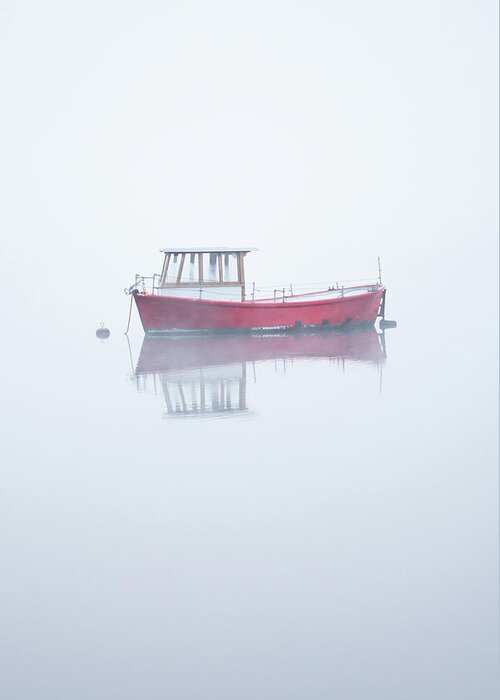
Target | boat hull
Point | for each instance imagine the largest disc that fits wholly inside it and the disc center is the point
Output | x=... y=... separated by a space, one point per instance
x=162 y=314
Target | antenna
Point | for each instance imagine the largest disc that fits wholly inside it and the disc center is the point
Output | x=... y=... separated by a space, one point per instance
x=379 y=272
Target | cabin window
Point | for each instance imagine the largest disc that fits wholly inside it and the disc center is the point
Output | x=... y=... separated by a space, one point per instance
x=173 y=267
x=211 y=267
x=190 y=268
x=193 y=268
x=230 y=267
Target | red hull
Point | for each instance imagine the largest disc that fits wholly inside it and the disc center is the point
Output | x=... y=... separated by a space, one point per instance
x=163 y=314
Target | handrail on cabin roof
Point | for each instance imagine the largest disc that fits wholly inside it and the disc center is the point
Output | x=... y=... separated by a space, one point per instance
x=210 y=249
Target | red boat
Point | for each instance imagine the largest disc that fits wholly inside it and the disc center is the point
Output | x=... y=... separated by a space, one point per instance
x=203 y=289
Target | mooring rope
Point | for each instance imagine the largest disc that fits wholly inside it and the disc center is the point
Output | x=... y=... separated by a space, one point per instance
x=130 y=354
x=129 y=314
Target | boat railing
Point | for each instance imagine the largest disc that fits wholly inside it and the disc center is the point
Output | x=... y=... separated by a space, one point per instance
x=143 y=282
x=282 y=294
x=274 y=293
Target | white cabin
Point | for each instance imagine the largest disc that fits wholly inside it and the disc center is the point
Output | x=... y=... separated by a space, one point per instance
x=212 y=273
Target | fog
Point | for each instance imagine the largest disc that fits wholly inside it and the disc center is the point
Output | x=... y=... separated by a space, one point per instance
x=338 y=536
x=324 y=135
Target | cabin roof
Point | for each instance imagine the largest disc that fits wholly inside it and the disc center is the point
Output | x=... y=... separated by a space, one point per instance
x=208 y=249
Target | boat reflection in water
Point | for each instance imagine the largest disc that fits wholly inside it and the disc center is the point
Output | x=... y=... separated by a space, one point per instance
x=207 y=375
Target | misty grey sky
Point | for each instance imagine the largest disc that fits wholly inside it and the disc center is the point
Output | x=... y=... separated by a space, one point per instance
x=332 y=131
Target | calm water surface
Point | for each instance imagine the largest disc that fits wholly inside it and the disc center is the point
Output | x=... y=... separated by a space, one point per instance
x=279 y=517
